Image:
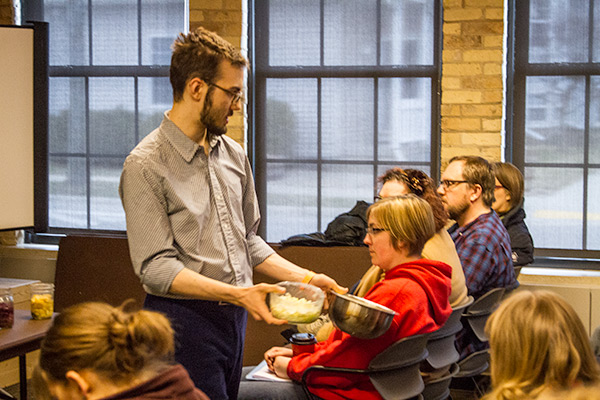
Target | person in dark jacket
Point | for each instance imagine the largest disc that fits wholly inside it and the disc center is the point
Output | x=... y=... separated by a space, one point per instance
x=508 y=204
x=98 y=352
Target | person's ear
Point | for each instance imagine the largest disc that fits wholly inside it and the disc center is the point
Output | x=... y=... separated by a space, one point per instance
x=476 y=191
x=196 y=87
x=76 y=378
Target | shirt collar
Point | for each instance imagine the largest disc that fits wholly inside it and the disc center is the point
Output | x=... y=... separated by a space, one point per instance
x=185 y=146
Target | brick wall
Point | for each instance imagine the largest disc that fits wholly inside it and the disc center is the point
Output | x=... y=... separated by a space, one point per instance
x=6 y=12
x=228 y=19
x=472 y=82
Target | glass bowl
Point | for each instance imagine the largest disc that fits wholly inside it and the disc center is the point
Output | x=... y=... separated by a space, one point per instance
x=300 y=304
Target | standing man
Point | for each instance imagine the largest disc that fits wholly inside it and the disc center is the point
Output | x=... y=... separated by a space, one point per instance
x=482 y=242
x=192 y=216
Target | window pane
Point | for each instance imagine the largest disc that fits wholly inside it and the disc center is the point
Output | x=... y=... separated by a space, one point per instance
x=291 y=118
x=294 y=32
x=594 y=147
x=554 y=206
x=593 y=217
x=350 y=32
x=292 y=199
x=106 y=211
x=596 y=39
x=340 y=198
x=68 y=31
x=404 y=121
x=347 y=119
x=161 y=23
x=112 y=116
x=67 y=115
x=115 y=33
x=68 y=192
x=558 y=31
x=554 y=119
x=154 y=98
x=407 y=32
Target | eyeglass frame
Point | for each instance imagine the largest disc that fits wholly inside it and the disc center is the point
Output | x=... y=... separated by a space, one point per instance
x=235 y=97
x=374 y=231
x=448 y=183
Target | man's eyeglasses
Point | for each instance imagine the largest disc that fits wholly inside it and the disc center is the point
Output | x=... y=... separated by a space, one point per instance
x=374 y=231
x=235 y=96
x=447 y=183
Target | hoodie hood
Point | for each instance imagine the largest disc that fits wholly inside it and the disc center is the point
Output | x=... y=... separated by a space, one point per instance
x=435 y=279
x=173 y=383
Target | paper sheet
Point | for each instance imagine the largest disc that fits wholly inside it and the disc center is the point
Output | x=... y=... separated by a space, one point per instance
x=262 y=373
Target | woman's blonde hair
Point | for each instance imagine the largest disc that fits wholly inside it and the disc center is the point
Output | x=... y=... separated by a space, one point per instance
x=113 y=343
x=407 y=218
x=537 y=342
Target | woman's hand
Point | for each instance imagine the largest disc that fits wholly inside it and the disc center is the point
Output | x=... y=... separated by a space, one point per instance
x=273 y=353
x=280 y=366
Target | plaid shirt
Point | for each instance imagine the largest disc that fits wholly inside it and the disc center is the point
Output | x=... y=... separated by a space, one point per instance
x=483 y=247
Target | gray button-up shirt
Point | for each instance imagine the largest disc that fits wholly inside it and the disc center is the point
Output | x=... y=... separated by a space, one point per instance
x=187 y=210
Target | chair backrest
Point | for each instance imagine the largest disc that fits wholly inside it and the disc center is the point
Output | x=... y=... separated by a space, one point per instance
x=395 y=372
x=95 y=268
x=474 y=364
x=440 y=346
x=477 y=313
x=439 y=388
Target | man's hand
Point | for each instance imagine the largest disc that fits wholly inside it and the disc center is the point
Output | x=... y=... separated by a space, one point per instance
x=254 y=299
x=325 y=283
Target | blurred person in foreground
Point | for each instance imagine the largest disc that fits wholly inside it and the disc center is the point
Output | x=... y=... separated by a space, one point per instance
x=96 y=351
x=397 y=182
x=538 y=345
x=416 y=288
x=508 y=203
x=192 y=218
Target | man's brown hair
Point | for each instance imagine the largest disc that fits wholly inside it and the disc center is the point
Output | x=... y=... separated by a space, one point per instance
x=198 y=55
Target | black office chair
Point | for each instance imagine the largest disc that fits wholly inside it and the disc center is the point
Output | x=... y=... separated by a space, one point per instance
x=394 y=372
x=472 y=367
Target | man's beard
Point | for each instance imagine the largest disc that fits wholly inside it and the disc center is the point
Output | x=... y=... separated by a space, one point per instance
x=456 y=211
x=208 y=118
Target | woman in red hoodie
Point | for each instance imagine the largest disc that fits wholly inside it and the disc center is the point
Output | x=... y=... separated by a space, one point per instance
x=416 y=288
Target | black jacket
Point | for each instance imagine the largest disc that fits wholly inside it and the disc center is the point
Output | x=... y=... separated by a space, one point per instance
x=520 y=239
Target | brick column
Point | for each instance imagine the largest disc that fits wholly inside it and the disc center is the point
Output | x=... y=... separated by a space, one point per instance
x=228 y=18
x=472 y=84
x=6 y=12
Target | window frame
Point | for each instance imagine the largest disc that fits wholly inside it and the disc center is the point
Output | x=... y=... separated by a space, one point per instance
x=519 y=70
x=261 y=71
x=43 y=232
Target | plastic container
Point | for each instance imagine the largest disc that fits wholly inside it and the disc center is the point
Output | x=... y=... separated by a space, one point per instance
x=7 y=308
x=42 y=300
x=303 y=343
x=301 y=304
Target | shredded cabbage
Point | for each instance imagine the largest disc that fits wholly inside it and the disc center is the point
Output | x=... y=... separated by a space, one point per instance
x=294 y=309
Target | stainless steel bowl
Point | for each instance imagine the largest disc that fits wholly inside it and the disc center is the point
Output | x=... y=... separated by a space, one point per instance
x=360 y=317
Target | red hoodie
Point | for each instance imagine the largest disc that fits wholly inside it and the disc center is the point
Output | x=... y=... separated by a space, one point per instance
x=418 y=291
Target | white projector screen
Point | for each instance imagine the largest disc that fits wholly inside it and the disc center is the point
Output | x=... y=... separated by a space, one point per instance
x=16 y=128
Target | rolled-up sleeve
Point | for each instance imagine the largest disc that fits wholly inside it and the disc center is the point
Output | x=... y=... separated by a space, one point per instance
x=153 y=255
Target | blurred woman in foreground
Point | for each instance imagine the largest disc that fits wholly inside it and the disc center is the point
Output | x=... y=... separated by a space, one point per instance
x=538 y=345
x=96 y=351
x=416 y=288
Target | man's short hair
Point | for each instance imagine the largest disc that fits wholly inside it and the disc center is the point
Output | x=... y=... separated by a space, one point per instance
x=478 y=171
x=198 y=55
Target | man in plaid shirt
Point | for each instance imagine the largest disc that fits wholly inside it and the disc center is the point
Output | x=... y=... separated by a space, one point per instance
x=482 y=242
